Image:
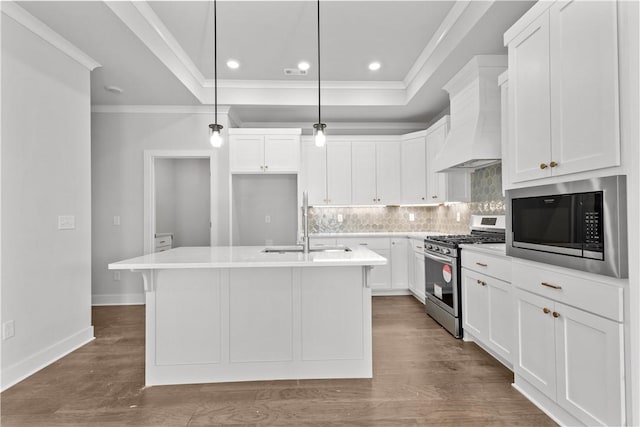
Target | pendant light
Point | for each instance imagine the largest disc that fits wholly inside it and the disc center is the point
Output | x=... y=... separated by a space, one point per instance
x=319 y=133
x=215 y=136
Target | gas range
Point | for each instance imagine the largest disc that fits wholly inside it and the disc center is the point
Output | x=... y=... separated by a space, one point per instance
x=443 y=269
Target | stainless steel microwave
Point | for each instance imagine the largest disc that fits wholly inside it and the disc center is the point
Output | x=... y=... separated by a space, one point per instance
x=579 y=224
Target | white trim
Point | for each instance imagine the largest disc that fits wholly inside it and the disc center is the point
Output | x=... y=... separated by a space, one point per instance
x=42 y=30
x=159 y=109
x=43 y=358
x=149 y=222
x=296 y=84
x=265 y=131
x=143 y=22
x=361 y=127
x=118 y=299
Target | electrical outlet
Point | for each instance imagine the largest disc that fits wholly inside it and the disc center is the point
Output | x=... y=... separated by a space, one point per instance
x=267 y=219
x=340 y=218
x=66 y=222
x=116 y=275
x=458 y=216
x=116 y=220
x=8 y=329
x=412 y=217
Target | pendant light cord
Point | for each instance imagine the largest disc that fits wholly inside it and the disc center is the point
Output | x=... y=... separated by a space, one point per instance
x=215 y=60
x=319 y=103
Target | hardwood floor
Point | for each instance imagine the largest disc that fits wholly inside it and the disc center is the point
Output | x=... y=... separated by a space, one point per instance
x=422 y=377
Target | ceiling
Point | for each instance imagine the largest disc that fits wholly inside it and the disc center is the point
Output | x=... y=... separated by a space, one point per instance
x=161 y=53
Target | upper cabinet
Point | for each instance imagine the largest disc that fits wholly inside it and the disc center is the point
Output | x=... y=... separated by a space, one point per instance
x=327 y=172
x=421 y=184
x=264 y=150
x=563 y=90
x=375 y=173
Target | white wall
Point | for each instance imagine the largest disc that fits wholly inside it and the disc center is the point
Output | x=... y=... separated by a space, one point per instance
x=46 y=272
x=117 y=144
x=257 y=196
x=183 y=200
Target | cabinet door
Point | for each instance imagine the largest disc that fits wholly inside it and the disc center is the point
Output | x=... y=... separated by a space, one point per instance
x=282 y=153
x=584 y=78
x=315 y=172
x=590 y=366
x=501 y=329
x=411 y=266
x=399 y=264
x=536 y=358
x=530 y=103
x=436 y=182
x=475 y=304
x=388 y=189
x=413 y=174
x=363 y=173
x=246 y=153
x=419 y=275
x=339 y=173
x=380 y=277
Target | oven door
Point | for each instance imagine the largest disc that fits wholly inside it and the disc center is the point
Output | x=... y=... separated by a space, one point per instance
x=441 y=281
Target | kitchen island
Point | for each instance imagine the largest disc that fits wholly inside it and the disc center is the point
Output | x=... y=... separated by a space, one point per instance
x=222 y=314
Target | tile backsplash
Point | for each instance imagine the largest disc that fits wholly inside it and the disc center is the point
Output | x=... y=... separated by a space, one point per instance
x=486 y=198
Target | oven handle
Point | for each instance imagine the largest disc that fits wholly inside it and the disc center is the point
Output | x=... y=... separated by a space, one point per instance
x=438 y=258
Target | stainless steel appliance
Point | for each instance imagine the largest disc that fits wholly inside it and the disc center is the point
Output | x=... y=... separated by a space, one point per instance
x=442 y=269
x=579 y=224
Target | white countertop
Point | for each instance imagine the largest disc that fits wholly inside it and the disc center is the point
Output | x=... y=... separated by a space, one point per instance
x=246 y=256
x=490 y=248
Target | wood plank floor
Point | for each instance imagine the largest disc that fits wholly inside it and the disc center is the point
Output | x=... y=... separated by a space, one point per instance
x=422 y=377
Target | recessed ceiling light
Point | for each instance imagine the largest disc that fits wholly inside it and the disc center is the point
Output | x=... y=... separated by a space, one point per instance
x=113 y=89
x=233 y=64
x=374 y=66
x=304 y=66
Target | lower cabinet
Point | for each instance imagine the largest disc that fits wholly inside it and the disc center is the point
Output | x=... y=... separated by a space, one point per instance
x=418 y=276
x=399 y=264
x=575 y=358
x=487 y=307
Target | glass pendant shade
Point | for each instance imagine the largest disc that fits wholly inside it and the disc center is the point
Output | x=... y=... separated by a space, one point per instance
x=215 y=135
x=319 y=134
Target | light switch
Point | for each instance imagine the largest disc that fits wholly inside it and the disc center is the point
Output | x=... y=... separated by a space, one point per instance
x=267 y=219
x=116 y=220
x=340 y=218
x=66 y=222
x=412 y=217
x=8 y=329
x=116 y=275
x=458 y=216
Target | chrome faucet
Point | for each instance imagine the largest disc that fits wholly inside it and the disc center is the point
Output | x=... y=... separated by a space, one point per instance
x=305 y=222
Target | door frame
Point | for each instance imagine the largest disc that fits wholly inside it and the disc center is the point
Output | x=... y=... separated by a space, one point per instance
x=150 y=157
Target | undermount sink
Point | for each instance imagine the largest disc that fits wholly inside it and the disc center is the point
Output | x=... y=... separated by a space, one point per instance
x=286 y=249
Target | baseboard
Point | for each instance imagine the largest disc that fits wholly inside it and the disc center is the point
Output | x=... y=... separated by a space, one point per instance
x=32 y=364
x=118 y=299
x=389 y=292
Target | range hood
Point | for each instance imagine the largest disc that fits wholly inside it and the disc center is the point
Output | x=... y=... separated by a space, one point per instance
x=474 y=140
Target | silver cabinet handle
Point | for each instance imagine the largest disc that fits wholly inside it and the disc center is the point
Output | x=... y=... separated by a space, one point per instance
x=481 y=264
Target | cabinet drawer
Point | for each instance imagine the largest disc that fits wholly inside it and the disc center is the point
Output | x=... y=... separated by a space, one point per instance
x=322 y=241
x=373 y=243
x=163 y=248
x=492 y=265
x=596 y=297
x=417 y=245
x=164 y=241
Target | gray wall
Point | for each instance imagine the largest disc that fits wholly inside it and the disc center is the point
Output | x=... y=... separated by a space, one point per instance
x=258 y=196
x=183 y=200
x=117 y=149
x=46 y=272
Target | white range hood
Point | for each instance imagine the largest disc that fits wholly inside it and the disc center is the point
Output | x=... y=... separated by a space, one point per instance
x=474 y=140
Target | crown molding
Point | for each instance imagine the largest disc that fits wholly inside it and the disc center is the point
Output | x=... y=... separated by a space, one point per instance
x=45 y=32
x=145 y=24
x=297 y=84
x=159 y=109
x=359 y=128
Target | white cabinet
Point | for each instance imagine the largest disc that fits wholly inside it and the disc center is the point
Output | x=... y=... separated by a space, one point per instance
x=399 y=264
x=413 y=177
x=264 y=150
x=327 y=172
x=443 y=187
x=487 y=303
x=563 y=90
x=570 y=344
x=380 y=275
x=375 y=173
x=416 y=268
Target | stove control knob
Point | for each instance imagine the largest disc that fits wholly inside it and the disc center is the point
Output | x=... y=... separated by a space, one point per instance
x=429 y=246
x=446 y=251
